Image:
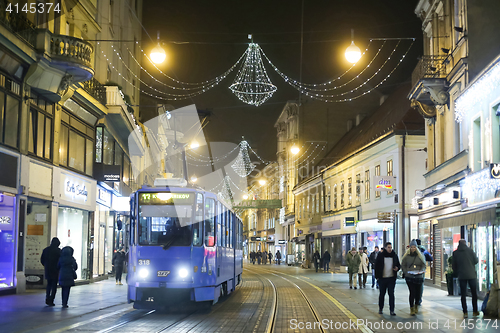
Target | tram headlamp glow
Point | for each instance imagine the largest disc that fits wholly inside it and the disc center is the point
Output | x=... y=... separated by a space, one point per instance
x=143 y=273
x=183 y=273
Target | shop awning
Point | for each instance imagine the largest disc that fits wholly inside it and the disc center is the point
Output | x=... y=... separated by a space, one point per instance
x=475 y=217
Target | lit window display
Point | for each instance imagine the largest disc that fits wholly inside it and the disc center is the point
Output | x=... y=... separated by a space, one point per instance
x=450 y=238
x=7 y=241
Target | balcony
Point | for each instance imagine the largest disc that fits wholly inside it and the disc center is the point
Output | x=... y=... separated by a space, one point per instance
x=429 y=85
x=96 y=90
x=18 y=24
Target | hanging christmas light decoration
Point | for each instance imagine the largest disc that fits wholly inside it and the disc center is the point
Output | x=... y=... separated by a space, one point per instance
x=252 y=84
x=243 y=166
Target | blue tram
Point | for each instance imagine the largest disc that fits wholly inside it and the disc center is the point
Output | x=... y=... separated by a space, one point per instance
x=185 y=244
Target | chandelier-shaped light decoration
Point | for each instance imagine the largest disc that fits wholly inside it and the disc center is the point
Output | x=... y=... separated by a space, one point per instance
x=243 y=166
x=252 y=84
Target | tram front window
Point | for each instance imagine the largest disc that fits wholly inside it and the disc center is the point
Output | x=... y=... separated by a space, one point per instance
x=165 y=225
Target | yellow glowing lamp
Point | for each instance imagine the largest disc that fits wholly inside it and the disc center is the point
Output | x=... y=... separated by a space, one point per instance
x=295 y=150
x=194 y=179
x=245 y=197
x=262 y=182
x=353 y=53
x=194 y=145
x=158 y=54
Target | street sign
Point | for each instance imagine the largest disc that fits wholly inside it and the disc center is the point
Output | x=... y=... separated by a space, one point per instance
x=385 y=217
x=259 y=204
x=349 y=221
x=495 y=170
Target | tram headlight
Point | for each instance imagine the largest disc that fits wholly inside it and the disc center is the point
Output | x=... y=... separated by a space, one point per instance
x=143 y=273
x=183 y=273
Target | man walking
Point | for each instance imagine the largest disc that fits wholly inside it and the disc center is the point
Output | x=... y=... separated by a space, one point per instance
x=278 y=257
x=50 y=258
x=363 y=268
x=326 y=261
x=373 y=258
x=119 y=259
x=386 y=267
x=353 y=261
x=464 y=264
x=316 y=260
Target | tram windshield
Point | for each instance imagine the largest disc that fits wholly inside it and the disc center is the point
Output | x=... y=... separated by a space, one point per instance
x=165 y=219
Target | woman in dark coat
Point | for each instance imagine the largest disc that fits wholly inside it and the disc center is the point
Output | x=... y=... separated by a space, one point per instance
x=119 y=259
x=67 y=273
x=49 y=259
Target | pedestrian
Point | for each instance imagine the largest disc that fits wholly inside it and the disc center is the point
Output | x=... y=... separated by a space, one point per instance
x=252 y=257
x=316 y=260
x=464 y=265
x=363 y=268
x=49 y=260
x=270 y=255
x=67 y=273
x=259 y=257
x=119 y=259
x=429 y=258
x=326 y=261
x=353 y=261
x=278 y=257
x=373 y=258
x=413 y=266
x=386 y=269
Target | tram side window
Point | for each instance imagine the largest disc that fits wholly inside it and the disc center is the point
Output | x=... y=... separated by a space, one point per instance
x=209 y=222
x=197 y=226
x=231 y=227
x=224 y=229
x=219 y=220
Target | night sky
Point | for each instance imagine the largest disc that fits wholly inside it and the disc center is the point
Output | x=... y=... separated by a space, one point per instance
x=217 y=35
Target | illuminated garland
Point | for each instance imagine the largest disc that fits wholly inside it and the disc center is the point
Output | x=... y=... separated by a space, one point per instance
x=252 y=84
x=478 y=183
x=477 y=92
x=243 y=166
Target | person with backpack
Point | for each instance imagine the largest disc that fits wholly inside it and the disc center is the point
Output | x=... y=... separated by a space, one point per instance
x=413 y=266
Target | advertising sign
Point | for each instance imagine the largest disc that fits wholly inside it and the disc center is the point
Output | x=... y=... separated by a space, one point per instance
x=384 y=183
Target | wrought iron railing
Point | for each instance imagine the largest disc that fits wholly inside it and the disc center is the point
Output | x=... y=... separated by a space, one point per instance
x=18 y=24
x=96 y=90
x=429 y=67
x=67 y=48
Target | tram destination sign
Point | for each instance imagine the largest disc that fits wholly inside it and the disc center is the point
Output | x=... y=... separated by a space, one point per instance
x=166 y=198
x=259 y=204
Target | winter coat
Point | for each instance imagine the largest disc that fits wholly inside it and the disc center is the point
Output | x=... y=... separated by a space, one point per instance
x=67 y=267
x=363 y=265
x=316 y=258
x=464 y=262
x=119 y=258
x=427 y=255
x=278 y=255
x=50 y=258
x=326 y=257
x=413 y=262
x=373 y=257
x=353 y=262
x=380 y=263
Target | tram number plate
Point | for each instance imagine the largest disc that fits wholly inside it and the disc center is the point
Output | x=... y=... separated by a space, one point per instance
x=163 y=273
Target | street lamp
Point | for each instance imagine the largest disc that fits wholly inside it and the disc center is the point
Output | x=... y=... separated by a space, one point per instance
x=295 y=150
x=245 y=196
x=194 y=145
x=194 y=179
x=158 y=54
x=262 y=182
x=352 y=53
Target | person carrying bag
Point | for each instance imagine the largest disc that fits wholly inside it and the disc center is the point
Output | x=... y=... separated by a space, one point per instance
x=413 y=266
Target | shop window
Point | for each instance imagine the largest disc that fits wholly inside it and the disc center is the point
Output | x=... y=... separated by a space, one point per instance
x=342 y=194
x=377 y=173
x=349 y=191
x=209 y=222
x=8 y=240
x=389 y=173
x=424 y=234
x=367 y=185
x=450 y=238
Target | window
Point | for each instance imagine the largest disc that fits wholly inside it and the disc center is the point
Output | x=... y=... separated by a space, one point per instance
x=220 y=218
x=358 y=188
x=40 y=128
x=108 y=148
x=76 y=145
x=377 y=173
x=317 y=202
x=476 y=144
x=342 y=194
x=111 y=12
x=197 y=226
x=209 y=222
x=108 y=74
x=389 y=173
x=328 y=198
x=367 y=185
x=335 y=196
x=9 y=111
x=308 y=201
x=349 y=191
x=98 y=144
x=126 y=170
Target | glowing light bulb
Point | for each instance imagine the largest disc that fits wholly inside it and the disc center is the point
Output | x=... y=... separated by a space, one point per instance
x=194 y=145
x=262 y=182
x=295 y=150
x=245 y=197
x=194 y=179
x=352 y=53
x=158 y=54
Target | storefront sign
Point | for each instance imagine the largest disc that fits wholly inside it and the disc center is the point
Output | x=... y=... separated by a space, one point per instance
x=259 y=204
x=256 y=239
x=107 y=173
x=495 y=170
x=75 y=190
x=103 y=197
x=282 y=241
x=315 y=228
x=5 y=220
x=40 y=217
x=349 y=221
x=384 y=183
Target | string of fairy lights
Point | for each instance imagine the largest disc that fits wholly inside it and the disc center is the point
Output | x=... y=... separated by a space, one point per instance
x=252 y=84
